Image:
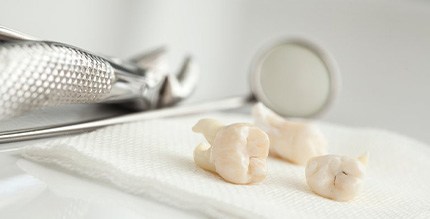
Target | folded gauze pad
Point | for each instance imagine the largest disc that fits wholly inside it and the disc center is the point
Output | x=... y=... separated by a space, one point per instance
x=155 y=158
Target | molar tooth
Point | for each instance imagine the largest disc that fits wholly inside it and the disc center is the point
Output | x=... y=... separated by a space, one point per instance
x=335 y=177
x=236 y=152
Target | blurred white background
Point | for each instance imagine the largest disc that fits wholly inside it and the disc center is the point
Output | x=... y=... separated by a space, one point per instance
x=382 y=46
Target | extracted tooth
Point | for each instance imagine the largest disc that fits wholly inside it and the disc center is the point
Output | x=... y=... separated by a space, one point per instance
x=294 y=141
x=236 y=152
x=335 y=177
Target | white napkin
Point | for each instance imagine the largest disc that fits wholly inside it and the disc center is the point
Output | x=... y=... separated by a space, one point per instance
x=155 y=158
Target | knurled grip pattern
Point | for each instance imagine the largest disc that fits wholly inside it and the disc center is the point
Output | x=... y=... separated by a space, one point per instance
x=35 y=74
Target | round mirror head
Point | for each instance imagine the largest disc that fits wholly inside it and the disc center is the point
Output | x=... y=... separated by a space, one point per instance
x=294 y=78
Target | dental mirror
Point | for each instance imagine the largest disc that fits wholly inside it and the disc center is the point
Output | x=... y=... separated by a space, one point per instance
x=294 y=78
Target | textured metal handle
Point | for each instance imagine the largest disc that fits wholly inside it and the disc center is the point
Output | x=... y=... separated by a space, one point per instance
x=35 y=74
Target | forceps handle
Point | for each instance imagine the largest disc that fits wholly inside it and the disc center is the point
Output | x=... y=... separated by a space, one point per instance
x=75 y=128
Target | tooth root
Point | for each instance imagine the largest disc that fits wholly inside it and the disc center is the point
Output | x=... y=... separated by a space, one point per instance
x=154 y=60
x=202 y=155
x=364 y=159
x=209 y=128
x=177 y=88
x=266 y=117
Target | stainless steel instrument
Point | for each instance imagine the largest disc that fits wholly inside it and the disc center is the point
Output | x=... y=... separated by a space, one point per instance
x=36 y=73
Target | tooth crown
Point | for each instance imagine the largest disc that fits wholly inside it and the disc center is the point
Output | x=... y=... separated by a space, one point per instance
x=237 y=152
x=335 y=177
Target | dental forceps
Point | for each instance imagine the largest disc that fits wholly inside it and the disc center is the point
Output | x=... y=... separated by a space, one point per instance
x=36 y=73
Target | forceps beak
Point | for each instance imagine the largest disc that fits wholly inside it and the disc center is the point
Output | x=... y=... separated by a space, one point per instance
x=176 y=87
